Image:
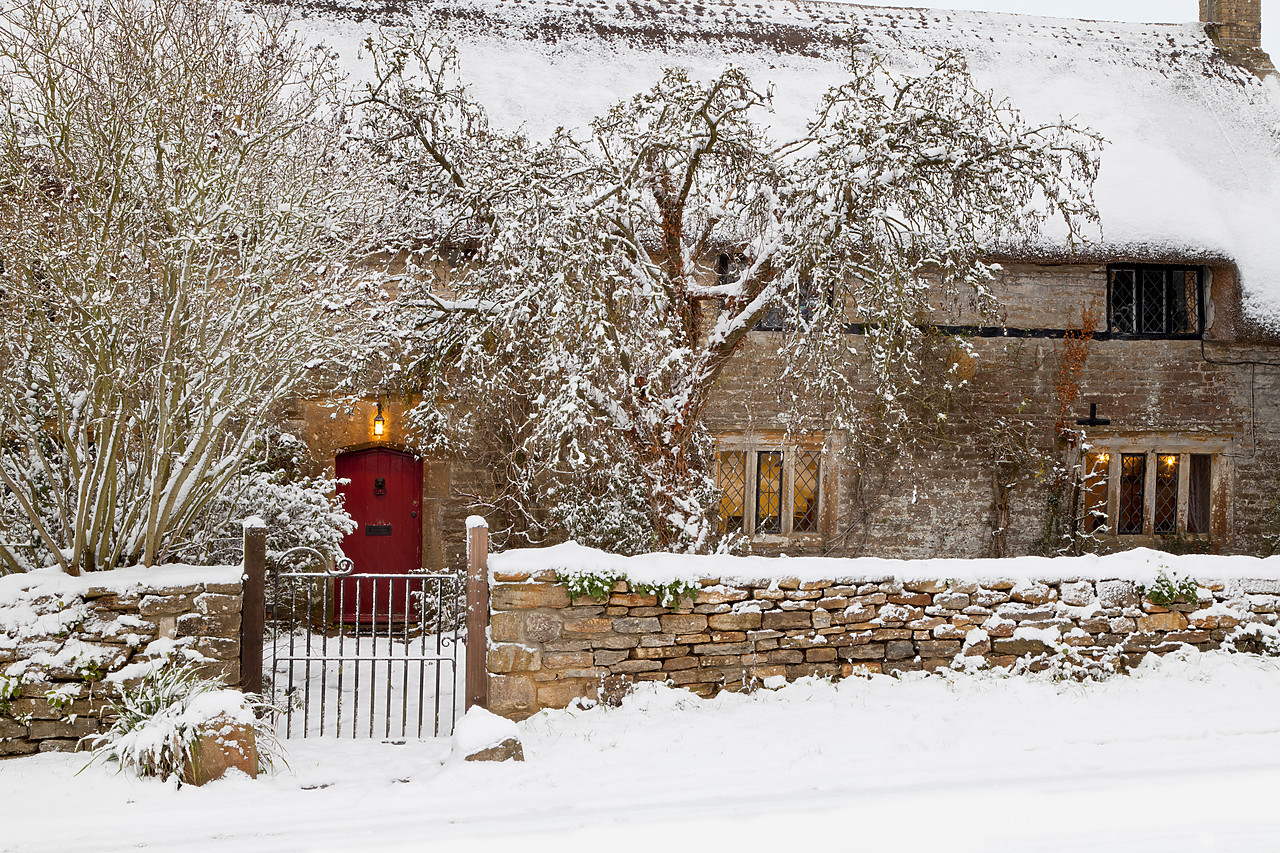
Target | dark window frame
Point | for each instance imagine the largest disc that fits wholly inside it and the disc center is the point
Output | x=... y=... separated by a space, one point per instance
x=1138 y=269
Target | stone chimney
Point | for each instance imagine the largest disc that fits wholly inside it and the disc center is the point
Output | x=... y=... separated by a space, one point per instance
x=1236 y=27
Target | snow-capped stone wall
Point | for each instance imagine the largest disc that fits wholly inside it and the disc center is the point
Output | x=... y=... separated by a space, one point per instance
x=547 y=650
x=68 y=644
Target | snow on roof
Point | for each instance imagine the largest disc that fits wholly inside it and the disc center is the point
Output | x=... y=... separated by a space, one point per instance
x=1190 y=172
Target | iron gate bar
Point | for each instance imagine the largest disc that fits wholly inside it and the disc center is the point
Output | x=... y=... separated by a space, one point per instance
x=419 y=587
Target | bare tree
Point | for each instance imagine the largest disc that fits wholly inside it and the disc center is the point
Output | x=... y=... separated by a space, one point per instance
x=175 y=212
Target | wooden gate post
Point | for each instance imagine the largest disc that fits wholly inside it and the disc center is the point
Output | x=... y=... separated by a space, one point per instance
x=477 y=679
x=253 y=607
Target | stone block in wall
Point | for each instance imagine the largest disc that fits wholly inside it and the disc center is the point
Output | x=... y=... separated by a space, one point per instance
x=542 y=627
x=683 y=623
x=659 y=652
x=221 y=624
x=746 y=621
x=952 y=600
x=1076 y=594
x=574 y=660
x=784 y=620
x=988 y=597
x=637 y=625
x=592 y=625
x=616 y=641
x=189 y=625
x=165 y=605
x=720 y=596
x=1032 y=592
x=77 y=728
x=938 y=648
x=559 y=694
x=630 y=666
x=631 y=599
x=930 y=586
x=218 y=648
x=209 y=603
x=505 y=626
x=10 y=747
x=1018 y=646
x=1169 y=621
x=653 y=641
x=512 y=695
x=1209 y=620
x=1263 y=603
x=59 y=745
x=510 y=657
x=899 y=650
x=1117 y=593
x=528 y=596
x=608 y=657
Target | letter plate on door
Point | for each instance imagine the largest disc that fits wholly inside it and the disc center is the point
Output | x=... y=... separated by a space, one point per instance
x=377 y=530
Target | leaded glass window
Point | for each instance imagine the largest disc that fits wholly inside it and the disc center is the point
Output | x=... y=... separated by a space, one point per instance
x=769 y=492
x=1155 y=301
x=804 y=501
x=731 y=477
x=1157 y=492
x=775 y=491
x=1133 y=484
x=1166 y=520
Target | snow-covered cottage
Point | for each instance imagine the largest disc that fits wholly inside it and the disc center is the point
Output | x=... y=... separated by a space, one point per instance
x=1176 y=389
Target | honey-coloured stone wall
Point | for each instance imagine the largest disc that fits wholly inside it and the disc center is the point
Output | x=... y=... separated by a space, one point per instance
x=547 y=650
x=68 y=645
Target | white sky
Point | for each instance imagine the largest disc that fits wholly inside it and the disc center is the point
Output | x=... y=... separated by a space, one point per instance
x=1144 y=11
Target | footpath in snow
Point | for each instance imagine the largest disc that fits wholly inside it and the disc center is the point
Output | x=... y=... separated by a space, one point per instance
x=1184 y=755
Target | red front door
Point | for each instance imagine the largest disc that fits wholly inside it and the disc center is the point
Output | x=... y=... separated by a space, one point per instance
x=384 y=496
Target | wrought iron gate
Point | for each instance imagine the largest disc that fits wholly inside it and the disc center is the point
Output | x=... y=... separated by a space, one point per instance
x=373 y=655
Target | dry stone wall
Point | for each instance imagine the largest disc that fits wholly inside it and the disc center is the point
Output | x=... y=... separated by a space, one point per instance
x=547 y=650
x=67 y=645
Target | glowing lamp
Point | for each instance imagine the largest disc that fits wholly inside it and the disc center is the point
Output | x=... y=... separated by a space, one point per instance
x=379 y=423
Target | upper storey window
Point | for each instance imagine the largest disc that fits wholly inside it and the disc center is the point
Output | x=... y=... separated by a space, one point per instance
x=1147 y=301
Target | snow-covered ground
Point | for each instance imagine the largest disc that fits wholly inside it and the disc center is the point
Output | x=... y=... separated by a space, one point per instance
x=1183 y=756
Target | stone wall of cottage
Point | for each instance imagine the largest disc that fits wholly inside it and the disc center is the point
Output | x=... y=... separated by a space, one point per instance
x=547 y=650
x=67 y=646
x=938 y=499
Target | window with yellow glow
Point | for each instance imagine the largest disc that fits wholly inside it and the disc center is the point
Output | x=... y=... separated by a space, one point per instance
x=769 y=491
x=1148 y=493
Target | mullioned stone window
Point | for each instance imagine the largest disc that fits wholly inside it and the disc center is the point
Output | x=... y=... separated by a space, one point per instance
x=770 y=488
x=1154 y=490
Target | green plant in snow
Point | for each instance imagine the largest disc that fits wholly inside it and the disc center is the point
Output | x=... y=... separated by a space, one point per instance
x=1165 y=590
x=156 y=726
x=10 y=688
x=598 y=586
x=60 y=698
x=91 y=671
